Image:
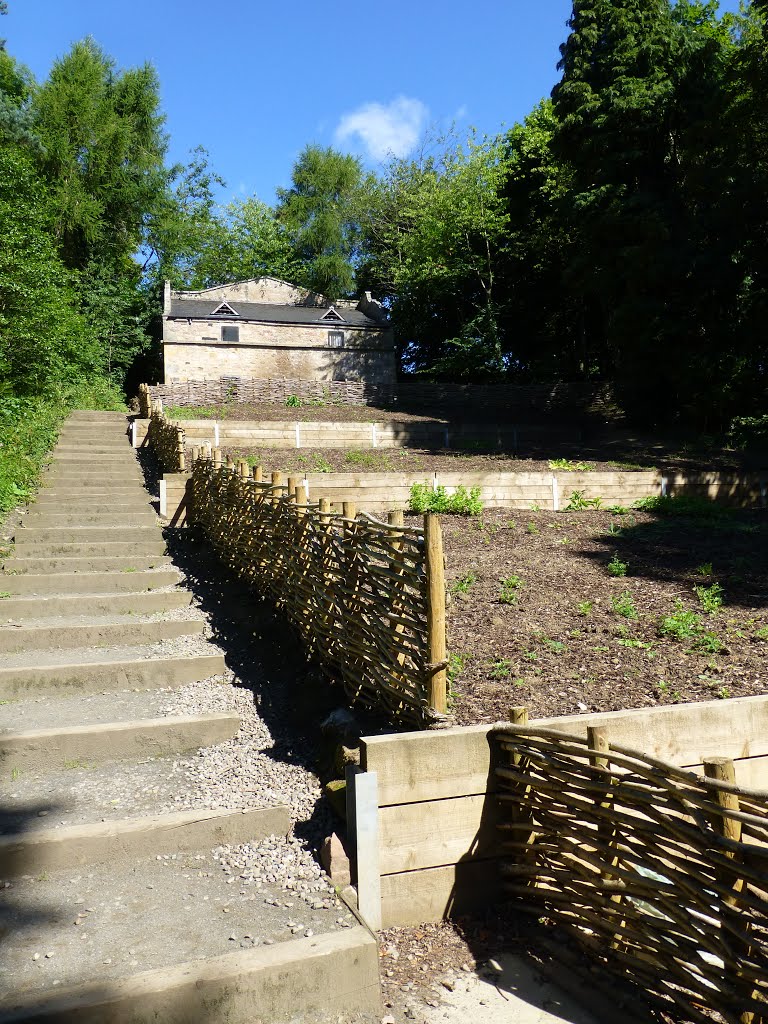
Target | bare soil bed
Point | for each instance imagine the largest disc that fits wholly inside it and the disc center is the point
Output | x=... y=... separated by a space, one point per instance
x=305 y=413
x=393 y=460
x=537 y=618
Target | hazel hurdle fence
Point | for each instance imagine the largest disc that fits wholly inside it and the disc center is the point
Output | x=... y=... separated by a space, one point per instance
x=167 y=439
x=367 y=596
x=660 y=872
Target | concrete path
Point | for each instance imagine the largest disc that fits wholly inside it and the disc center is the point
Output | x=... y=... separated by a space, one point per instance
x=112 y=907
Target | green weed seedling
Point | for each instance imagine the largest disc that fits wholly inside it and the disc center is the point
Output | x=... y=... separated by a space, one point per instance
x=15 y=774
x=681 y=624
x=569 y=466
x=762 y=633
x=705 y=569
x=616 y=567
x=641 y=645
x=293 y=402
x=708 y=643
x=710 y=598
x=509 y=589
x=723 y=693
x=556 y=646
x=618 y=510
x=321 y=464
x=4 y=594
x=532 y=528
x=624 y=605
x=530 y=655
x=614 y=530
x=501 y=668
x=584 y=608
x=131 y=568
x=577 y=502
x=463 y=583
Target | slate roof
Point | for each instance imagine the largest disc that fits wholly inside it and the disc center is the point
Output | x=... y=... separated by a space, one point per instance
x=202 y=309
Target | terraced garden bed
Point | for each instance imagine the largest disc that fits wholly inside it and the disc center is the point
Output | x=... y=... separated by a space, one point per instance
x=594 y=611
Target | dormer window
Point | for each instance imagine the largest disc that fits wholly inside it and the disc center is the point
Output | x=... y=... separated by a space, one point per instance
x=224 y=309
x=333 y=316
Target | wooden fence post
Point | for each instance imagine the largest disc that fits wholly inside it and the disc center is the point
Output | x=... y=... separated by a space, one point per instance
x=258 y=474
x=195 y=453
x=217 y=458
x=433 y=556
x=277 y=482
x=722 y=769
x=597 y=740
x=349 y=509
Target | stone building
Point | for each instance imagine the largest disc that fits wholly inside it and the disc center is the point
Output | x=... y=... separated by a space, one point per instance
x=269 y=328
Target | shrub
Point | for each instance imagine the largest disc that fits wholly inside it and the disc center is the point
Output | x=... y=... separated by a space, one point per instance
x=293 y=402
x=624 y=605
x=616 y=567
x=577 y=502
x=426 y=499
x=749 y=432
x=569 y=466
x=681 y=624
x=711 y=598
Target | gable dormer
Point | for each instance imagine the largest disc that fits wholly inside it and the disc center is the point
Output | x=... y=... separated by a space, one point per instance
x=332 y=316
x=224 y=309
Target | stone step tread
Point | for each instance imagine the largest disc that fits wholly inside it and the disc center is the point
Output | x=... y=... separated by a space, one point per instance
x=142 y=916
x=88 y=531
x=107 y=501
x=17 y=638
x=74 y=657
x=100 y=548
x=91 y=564
x=185 y=613
x=90 y=520
x=93 y=584
x=70 y=710
x=81 y=608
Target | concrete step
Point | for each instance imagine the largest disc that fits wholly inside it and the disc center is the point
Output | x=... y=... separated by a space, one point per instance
x=152 y=943
x=81 y=671
x=95 y=498
x=86 y=457
x=100 y=549
x=86 y=534
x=15 y=638
x=103 y=742
x=93 y=476
x=21 y=609
x=98 y=416
x=91 y=583
x=40 y=518
x=101 y=564
x=106 y=446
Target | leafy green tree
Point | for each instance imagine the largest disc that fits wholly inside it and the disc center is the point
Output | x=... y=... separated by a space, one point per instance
x=44 y=341
x=103 y=143
x=244 y=241
x=318 y=213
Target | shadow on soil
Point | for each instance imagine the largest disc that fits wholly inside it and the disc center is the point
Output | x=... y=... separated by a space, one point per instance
x=726 y=546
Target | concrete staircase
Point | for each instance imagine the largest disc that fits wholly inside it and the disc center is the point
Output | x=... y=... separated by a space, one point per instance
x=110 y=907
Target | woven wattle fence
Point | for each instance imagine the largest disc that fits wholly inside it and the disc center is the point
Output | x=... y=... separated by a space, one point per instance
x=366 y=596
x=260 y=391
x=167 y=440
x=662 y=873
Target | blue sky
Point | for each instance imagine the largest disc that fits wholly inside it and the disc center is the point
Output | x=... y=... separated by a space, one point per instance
x=254 y=82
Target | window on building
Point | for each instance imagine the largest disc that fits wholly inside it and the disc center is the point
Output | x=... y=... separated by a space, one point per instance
x=332 y=315
x=230 y=332
x=335 y=339
x=224 y=309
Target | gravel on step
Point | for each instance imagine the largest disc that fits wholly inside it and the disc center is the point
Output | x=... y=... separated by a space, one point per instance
x=111 y=921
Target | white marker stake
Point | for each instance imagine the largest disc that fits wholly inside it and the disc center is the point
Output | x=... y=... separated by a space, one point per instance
x=366 y=803
x=555 y=495
x=298 y=435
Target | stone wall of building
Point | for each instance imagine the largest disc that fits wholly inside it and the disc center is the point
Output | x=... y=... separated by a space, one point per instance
x=194 y=351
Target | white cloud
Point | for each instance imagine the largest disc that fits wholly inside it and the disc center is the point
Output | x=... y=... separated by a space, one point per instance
x=385 y=130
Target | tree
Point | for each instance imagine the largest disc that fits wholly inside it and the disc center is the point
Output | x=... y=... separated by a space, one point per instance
x=101 y=132
x=318 y=213
x=43 y=339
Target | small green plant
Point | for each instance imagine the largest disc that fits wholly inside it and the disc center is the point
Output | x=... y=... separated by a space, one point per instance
x=532 y=528
x=584 y=608
x=4 y=594
x=43 y=877
x=556 y=646
x=130 y=568
x=762 y=633
x=618 y=510
x=15 y=773
x=501 y=668
x=509 y=589
x=462 y=502
x=77 y=763
x=530 y=655
x=577 y=502
x=629 y=642
x=681 y=624
x=535 y=508
x=321 y=465
x=293 y=402
x=708 y=643
x=456 y=665
x=614 y=530
x=569 y=466
x=710 y=598
x=463 y=583
x=705 y=569
x=624 y=605
x=723 y=693
x=616 y=567
x=664 y=691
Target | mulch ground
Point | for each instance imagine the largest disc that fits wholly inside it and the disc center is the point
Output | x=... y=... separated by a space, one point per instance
x=391 y=460
x=535 y=617
x=303 y=414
